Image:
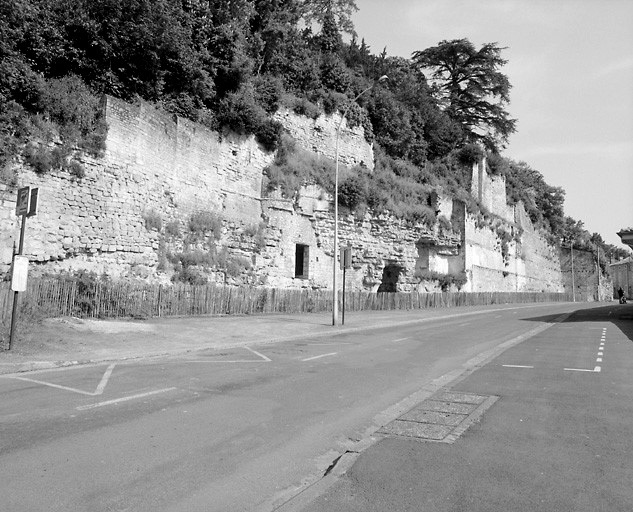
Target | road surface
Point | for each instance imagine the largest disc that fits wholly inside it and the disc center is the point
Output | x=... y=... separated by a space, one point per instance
x=250 y=428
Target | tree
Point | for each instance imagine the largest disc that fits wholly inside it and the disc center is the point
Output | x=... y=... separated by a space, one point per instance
x=316 y=11
x=470 y=88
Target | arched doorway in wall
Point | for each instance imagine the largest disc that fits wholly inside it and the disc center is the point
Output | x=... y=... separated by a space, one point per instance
x=390 y=276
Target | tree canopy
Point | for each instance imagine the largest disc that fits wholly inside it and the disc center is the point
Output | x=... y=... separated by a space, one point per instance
x=230 y=65
x=470 y=88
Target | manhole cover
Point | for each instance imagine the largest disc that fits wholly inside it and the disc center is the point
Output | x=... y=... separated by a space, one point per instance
x=443 y=417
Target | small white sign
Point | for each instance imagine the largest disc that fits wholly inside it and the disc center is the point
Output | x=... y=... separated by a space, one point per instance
x=20 y=271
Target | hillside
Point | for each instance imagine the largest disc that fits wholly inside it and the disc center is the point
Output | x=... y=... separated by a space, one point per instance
x=232 y=67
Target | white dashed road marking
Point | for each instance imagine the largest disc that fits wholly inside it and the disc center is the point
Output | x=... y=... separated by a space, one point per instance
x=516 y=366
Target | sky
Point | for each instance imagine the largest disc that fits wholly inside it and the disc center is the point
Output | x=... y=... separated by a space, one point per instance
x=570 y=63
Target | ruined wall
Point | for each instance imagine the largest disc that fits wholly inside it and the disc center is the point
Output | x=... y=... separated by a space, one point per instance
x=585 y=276
x=505 y=252
x=168 y=167
x=159 y=165
x=622 y=276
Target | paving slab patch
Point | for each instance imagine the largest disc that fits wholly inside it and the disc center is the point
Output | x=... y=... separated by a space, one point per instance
x=441 y=418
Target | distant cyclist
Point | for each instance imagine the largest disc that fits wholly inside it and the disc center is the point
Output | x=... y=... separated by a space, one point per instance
x=621 y=296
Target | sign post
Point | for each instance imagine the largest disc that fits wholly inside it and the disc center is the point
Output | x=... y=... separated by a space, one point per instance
x=346 y=262
x=26 y=206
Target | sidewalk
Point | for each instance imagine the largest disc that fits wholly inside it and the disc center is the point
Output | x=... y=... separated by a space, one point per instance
x=71 y=341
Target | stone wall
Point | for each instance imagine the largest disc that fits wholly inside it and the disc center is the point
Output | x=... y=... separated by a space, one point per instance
x=165 y=167
x=622 y=276
x=524 y=261
x=161 y=167
x=585 y=276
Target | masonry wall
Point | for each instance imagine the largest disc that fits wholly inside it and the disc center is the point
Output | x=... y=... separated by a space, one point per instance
x=159 y=164
x=622 y=276
x=527 y=262
x=162 y=165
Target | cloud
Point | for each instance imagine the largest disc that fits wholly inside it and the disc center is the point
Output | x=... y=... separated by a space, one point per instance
x=625 y=64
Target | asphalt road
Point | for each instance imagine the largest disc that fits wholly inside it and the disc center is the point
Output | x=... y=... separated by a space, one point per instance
x=559 y=437
x=248 y=428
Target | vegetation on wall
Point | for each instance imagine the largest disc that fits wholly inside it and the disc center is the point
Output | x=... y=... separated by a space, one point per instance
x=230 y=65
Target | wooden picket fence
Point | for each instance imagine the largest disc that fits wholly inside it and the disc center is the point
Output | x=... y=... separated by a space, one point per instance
x=59 y=297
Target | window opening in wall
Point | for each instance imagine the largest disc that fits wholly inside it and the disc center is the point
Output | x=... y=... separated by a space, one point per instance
x=302 y=261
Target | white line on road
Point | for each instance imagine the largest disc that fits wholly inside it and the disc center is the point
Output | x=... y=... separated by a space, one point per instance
x=598 y=360
x=98 y=391
x=263 y=359
x=516 y=366
x=601 y=353
x=318 y=357
x=258 y=354
x=399 y=339
x=332 y=343
x=596 y=369
x=123 y=399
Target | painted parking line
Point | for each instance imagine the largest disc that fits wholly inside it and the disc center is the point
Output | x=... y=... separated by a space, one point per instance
x=100 y=387
x=318 y=357
x=332 y=343
x=123 y=399
x=263 y=359
x=595 y=370
x=516 y=366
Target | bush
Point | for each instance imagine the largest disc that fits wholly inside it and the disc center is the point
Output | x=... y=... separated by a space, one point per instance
x=77 y=170
x=152 y=220
x=352 y=192
x=469 y=154
x=268 y=92
x=40 y=158
x=192 y=276
x=205 y=222
x=268 y=134
x=173 y=229
x=444 y=280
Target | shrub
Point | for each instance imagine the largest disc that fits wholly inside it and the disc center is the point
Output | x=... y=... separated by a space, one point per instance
x=152 y=220
x=352 y=192
x=235 y=265
x=192 y=276
x=40 y=158
x=194 y=258
x=469 y=154
x=444 y=223
x=173 y=229
x=268 y=92
x=444 y=280
x=205 y=222
x=268 y=134
x=77 y=170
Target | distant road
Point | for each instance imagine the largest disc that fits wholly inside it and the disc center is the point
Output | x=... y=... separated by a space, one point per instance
x=244 y=429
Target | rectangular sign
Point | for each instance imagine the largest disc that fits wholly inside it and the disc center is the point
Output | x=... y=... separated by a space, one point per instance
x=20 y=271
x=346 y=257
x=33 y=202
x=22 y=204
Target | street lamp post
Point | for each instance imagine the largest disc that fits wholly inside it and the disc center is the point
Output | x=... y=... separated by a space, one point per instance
x=573 y=280
x=335 y=252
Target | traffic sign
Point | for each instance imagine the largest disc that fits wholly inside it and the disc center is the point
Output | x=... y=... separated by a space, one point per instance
x=33 y=202
x=24 y=197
